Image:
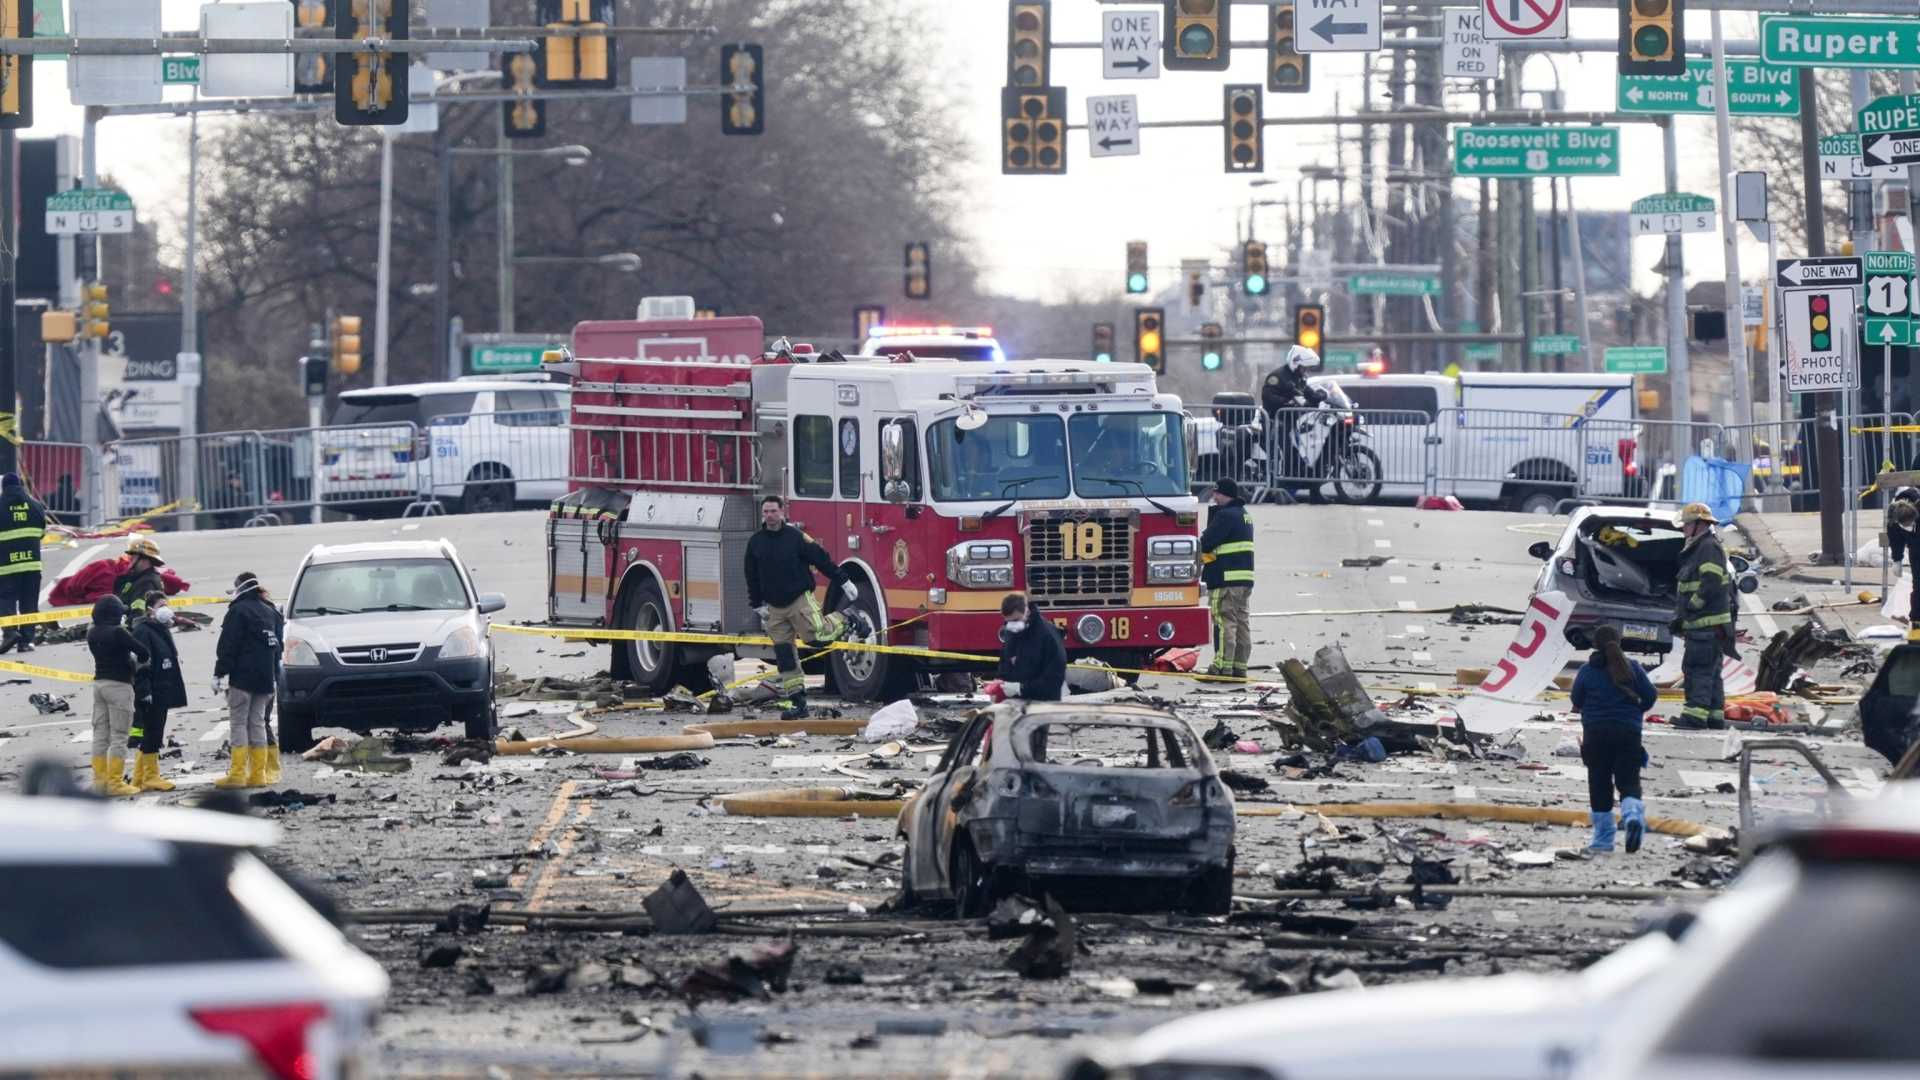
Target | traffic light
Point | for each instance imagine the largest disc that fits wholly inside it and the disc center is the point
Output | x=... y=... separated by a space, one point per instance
x=743 y=112
x=1196 y=289
x=1033 y=130
x=16 y=69
x=374 y=90
x=1136 y=266
x=1243 y=119
x=1821 y=323
x=312 y=72
x=1197 y=35
x=1651 y=33
x=343 y=343
x=313 y=375
x=1210 y=334
x=1308 y=320
x=1028 y=23
x=1253 y=267
x=575 y=61
x=1103 y=343
x=865 y=318
x=94 y=310
x=1289 y=71
x=919 y=271
x=1148 y=347
x=525 y=117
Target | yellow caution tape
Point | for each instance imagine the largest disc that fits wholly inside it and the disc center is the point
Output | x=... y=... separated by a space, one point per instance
x=39 y=672
x=67 y=614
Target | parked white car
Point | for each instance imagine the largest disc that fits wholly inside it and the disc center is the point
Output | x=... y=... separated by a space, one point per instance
x=474 y=444
x=148 y=941
x=386 y=635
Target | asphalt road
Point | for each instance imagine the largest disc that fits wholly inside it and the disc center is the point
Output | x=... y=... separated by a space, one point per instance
x=919 y=994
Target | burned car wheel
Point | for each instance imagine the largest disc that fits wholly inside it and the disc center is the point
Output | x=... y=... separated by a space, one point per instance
x=973 y=881
x=1212 y=892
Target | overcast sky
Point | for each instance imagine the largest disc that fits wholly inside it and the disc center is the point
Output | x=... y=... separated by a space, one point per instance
x=1056 y=236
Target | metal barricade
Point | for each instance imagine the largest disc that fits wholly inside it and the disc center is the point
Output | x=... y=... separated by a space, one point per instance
x=490 y=461
x=364 y=469
x=1223 y=440
x=65 y=477
x=1783 y=473
x=1527 y=461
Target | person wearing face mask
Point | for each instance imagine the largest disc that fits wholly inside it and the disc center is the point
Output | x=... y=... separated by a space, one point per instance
x=1033 y=661
x=157 y=687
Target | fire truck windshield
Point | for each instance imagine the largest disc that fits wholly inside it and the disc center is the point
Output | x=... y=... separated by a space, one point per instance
x=1024 y=456
x=1120 y=454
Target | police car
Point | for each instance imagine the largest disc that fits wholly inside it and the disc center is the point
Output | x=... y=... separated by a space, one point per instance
x=934 y=342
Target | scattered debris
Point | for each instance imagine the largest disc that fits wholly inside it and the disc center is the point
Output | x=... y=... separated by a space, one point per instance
x=1243 y=783
x=1219 y=736
x=288 y=799
x=48 y=703
x=1365 y=562
x=1048 y=951
x=760 y=977
x=326 y=749
x=685 y=759
x=676 y=907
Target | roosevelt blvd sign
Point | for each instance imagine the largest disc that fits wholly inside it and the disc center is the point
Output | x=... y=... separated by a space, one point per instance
x=1840 y=160
x=1536 y=151
x=1392 y=283
x=1843 y=41
x=1680 y=213
x=1755 y=89
x=86 y=211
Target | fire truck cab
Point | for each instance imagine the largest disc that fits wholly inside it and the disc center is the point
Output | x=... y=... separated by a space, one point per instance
x=937 y=486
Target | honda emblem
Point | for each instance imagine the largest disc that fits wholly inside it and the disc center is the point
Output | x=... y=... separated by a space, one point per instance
x=377 y=655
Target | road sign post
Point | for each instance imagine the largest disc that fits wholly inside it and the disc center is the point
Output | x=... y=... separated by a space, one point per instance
x=1678 y=213
x=1823 y=270
x=1337 y=26
x=1524 y=20
x=1755 y=89
x=1113 y=126
x=1635 y=360
x=1536 y=151
x=1130 y=45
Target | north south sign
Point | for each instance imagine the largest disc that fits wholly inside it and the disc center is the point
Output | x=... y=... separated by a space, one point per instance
x=1536 y=151
x=1839 y=41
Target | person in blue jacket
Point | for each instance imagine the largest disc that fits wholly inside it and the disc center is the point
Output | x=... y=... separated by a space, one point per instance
x=1612 y=695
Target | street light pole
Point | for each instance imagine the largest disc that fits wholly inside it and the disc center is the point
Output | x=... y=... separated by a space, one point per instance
x=504 y=204
x=384 y=273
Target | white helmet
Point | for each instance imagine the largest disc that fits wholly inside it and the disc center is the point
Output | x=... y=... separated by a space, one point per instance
x=1302 y=357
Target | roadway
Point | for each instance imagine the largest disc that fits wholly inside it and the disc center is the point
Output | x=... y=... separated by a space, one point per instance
x=440 y=835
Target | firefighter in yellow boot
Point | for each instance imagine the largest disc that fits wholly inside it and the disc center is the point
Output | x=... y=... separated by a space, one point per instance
x=1705 y=621
x=780 y=564
x=1226 y=552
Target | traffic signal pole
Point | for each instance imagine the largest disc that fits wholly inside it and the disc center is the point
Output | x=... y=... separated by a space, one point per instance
x=9 y=315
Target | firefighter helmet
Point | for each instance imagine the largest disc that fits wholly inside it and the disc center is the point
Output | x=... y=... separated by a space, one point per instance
x=145 y=548
x=1693 y=512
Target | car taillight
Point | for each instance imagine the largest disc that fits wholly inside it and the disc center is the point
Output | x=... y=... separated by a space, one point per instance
x=1192 y=793
x=277 y=1034
x=1626 y=447
x=1861 y=845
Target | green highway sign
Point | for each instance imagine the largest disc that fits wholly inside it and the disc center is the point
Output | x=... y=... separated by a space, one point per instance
x=89 y=199
x=507 y=357
x=1895 y=112
x=1554 y=344
x=1343 y=358
x=1484 y=352
x=1389 y=283
x=1839 y=41
x=1536 y=151
x=1636 y=360
x=1885 y=332
x=1889 y=262
x=1888 y=297
x=180 y=70
x=1754 y=89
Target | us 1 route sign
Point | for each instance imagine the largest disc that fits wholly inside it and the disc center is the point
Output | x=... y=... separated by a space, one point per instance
x=1337 y=26
x=1465 y=52
x=1821 y=340
x=1657 y=215
x=1536 y=151
x=1840 y=41
x=89 y=211
x=1888 y=300
x=1840 y=160
x=1754 y=89
x=1113 y=126
x=1130 y=44
x=1524 y=20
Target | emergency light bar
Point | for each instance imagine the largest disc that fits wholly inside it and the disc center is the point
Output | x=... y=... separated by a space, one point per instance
x=929 y=331
x=1110 y=382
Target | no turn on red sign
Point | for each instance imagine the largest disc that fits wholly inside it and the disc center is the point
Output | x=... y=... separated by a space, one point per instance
x=1524 y=20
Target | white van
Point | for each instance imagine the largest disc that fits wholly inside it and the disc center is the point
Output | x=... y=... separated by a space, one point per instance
x=1520 y=442
x=475 y=444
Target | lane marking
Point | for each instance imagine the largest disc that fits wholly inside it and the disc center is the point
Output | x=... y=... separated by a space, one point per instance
x=556 y=811
x=1416 y=631
x=218 y=731
x=1376 y=523
x=1408 y=605
x=1383 y=544
x=544 y=884
x=1396 y=579
x=1750 y=603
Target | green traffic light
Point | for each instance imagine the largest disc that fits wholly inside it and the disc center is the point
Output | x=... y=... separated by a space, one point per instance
x=1650 y=41
x=1136 y=283
x=1103 y=358
x=1196 y=40
x=1210 y=361
x=1256 y=284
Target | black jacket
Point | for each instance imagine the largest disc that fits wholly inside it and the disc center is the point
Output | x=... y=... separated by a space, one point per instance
x=780 y=566
x=1226 y=548
x=115 y=652
x=23 y=521
x=1285 y=388
x=248 y=654
x=1905 y=543
x=132 y=587
x=161 y=680
x=1036 y=659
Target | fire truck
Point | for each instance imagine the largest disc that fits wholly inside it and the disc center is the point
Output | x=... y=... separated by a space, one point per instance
x=937 y=486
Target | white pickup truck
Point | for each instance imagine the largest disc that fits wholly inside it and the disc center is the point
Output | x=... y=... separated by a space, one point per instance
x=1519 y=442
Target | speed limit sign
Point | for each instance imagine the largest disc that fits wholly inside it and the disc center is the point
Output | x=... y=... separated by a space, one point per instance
x=1524 y=20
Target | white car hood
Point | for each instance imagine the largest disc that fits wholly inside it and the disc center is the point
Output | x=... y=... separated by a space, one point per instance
x=430 y=628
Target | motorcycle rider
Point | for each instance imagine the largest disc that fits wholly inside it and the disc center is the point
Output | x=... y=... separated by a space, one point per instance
x=1286 y=387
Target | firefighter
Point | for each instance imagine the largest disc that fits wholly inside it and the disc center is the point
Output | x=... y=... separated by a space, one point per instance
x=1705 y=618
x=1033 y=661
x=1226 y=555
x=781 y=561
x=23 y=521
x=141 y=576
x=157 y=687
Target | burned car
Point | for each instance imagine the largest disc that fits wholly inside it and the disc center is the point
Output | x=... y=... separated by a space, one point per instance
x=1619 y=565
x=1068 y=796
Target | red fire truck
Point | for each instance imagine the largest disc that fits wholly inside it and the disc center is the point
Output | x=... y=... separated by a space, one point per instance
x=938 y=485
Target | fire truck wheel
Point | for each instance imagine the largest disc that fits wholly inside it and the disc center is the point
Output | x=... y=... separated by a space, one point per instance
x=652 y=664
x=870 y=676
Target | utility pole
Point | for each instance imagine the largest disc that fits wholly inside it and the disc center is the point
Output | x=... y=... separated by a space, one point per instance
x=1680 y=378
x=504 y=217
x=442 y=240
x=187 y=364
x=1730 y=238
x=1826 y=439
x=87 y=353
x=383 y=273
x=1510 y=242
x=9 y=314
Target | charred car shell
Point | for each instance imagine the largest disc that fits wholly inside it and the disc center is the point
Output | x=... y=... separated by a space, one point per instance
x=1619 y=567
x=1070 y=793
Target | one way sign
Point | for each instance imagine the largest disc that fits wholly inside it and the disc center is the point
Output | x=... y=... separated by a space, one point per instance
x=1838 y=270
x=1337 y=26
x=1113 y=126
x=1891 y=148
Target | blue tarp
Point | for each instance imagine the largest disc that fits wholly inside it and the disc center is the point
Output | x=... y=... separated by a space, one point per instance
x=1719 y=484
